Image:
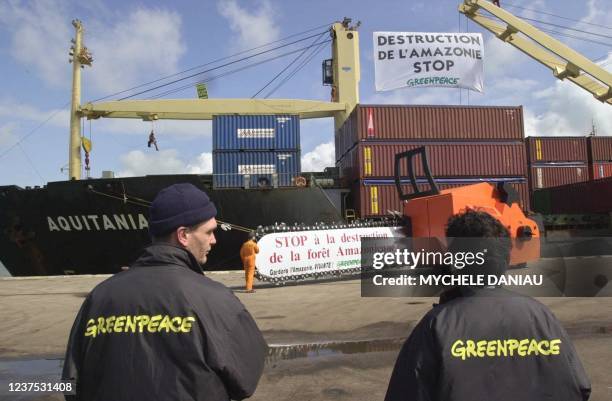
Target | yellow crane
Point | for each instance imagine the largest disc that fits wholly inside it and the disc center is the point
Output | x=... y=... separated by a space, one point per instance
x=345 y=90
x=564 y=62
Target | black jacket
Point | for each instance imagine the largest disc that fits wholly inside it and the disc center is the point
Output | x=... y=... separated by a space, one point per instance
x=461 y=350
x=164 y=331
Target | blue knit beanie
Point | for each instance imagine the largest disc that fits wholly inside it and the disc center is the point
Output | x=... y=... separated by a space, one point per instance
x=179 y=205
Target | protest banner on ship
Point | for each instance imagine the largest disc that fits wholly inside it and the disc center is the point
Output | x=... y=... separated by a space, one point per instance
x=426 y=59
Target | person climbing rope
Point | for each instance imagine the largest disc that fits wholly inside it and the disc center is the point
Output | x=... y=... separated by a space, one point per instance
x=152 y=141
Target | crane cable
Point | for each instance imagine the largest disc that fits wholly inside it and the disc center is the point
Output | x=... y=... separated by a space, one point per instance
x=297 y=69
x=555 y=15
x=146 y=204
x=215 y=68
x=288 y=66
x=209 y=63
x=26 y=136
x=190 y=85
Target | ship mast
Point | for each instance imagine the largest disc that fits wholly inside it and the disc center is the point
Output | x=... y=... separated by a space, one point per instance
x=79 y=57
x=346 y=68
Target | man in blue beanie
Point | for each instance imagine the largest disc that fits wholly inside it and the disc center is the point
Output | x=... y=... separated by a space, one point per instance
x=182 y=215
x=162 y=330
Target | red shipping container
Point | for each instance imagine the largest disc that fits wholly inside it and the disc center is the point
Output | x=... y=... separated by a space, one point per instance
x=545 y=149
x=600 y=170
x=369 y=159
x=378 y=200
x=402 y=122
x=551 y=175
x=600 y=148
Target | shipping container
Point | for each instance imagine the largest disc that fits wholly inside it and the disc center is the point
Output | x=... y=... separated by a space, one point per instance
x=545 y=149
x=471 y=159
x=375 y=198
x=402 y=122
x=551 y=175
x=600 y=170
x=256 y=132
x=600 y=148
x=581 y=198
x=262 y=168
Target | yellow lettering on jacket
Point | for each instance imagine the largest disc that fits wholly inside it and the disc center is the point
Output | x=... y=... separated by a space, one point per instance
x=132 y=324
x=110 y=322
x=143 y=320
x=119 y=322
x=186 y=325
x=166 y=324
x=510 y=347
x=90 y=330
x=154 y=323
x=554 y=346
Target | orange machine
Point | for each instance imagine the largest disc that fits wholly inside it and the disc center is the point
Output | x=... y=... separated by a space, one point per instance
x=429 y=211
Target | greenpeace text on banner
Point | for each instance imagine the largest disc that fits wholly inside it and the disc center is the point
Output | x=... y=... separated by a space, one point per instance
x=420 y=59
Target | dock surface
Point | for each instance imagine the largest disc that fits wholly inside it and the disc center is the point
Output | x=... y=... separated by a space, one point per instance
x=327 y=341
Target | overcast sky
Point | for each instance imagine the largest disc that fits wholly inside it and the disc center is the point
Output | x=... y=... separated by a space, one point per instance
x=134 y=42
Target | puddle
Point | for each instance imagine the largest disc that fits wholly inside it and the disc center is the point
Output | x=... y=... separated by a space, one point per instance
x=49 y=370
x=37 y=370
x=271 y=317
x=278 y=352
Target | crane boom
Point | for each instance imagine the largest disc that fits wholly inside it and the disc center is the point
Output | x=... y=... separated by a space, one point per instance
x=345 y=50
x=561 y=59
x=205 y=109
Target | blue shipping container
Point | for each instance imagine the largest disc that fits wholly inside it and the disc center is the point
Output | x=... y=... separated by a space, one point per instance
x=263 y=168
x=256 y=132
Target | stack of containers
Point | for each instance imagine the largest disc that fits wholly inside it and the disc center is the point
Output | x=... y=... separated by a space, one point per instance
x=579 y=198
x=255 y=151
x=600 y=157
x=573 y=196
x=465 y=145
x=555 y=161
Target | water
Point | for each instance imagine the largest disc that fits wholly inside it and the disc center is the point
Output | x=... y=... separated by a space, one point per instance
x=37 y=370
x=4 y=271
x=49 y=370
x=277 y=352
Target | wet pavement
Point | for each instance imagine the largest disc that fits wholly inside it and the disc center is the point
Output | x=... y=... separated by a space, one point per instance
x=281 y=360
x=326 y=341
x=28 y=371
x=331 y=371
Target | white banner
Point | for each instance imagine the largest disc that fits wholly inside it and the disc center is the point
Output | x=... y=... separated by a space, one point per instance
x=308 y=252
x=421 y=59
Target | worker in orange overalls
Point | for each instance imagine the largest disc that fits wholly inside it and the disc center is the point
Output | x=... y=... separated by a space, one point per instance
x=247 y=253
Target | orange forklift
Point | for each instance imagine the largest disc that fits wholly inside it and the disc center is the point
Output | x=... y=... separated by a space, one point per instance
x=426 y=213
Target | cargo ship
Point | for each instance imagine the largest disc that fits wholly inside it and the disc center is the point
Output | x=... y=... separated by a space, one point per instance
x=91 y=226
x=99 y=226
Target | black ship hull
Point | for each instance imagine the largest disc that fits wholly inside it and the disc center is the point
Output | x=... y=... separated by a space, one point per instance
x=98 y=226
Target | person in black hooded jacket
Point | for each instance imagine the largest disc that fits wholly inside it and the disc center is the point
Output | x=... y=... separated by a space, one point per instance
x=487 y=343
x=162 y=330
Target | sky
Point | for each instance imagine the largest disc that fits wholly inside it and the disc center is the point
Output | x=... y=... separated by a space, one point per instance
x=134 y=42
